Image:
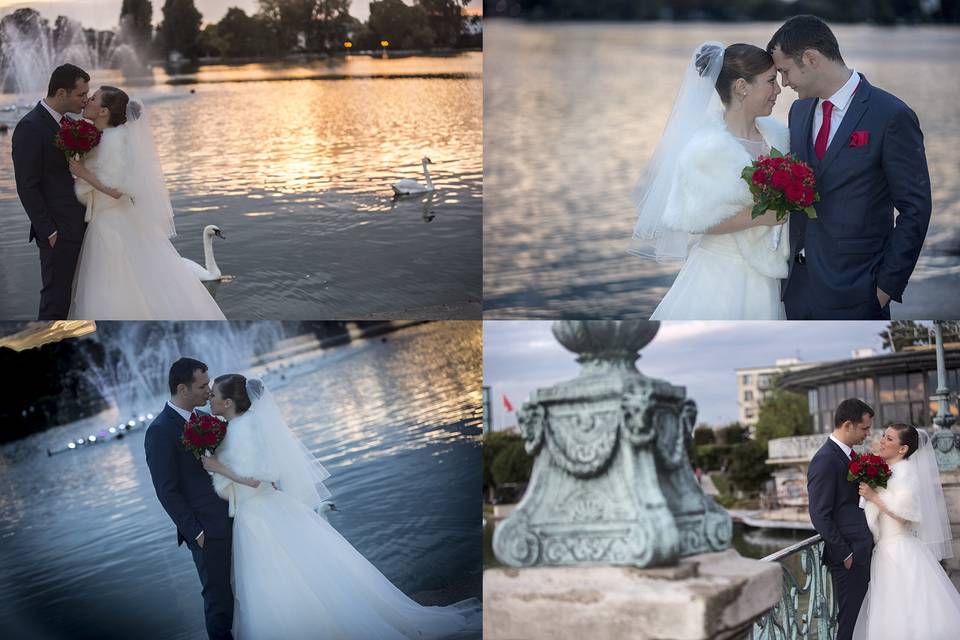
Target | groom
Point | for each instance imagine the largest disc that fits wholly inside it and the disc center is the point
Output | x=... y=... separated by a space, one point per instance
x=836 y=514
x=866 y=149
x=45 y=187
x=186 y=493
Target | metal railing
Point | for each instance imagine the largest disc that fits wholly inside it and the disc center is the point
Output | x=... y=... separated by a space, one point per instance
x=807 y=608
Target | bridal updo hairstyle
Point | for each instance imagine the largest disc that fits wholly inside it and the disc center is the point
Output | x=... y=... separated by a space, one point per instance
x=115 y=100
x=739 y=61
x=908 y=435
x=233 y=386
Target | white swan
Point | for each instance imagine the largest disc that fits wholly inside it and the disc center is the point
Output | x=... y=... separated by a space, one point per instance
x=410 y=187
x=212 y=272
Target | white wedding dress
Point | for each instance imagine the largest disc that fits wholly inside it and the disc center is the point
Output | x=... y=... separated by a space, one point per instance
x=910 y=595
x=729 y=276
x=295 y=576
x=128 y=269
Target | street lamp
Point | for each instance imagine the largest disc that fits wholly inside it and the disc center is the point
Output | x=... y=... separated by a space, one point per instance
x=348 y=45
x=944 y=419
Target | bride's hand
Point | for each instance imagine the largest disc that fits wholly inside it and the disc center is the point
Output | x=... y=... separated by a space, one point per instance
x=769 y=219
x=867 y=492
x=76 y=167
x=211 y=464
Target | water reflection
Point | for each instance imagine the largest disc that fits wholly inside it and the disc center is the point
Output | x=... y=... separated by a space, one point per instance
x=89 y=553
x=573 y=113
x=298 y=175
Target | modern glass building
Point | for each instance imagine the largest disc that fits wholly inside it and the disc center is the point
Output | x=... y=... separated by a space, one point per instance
x=899 y=386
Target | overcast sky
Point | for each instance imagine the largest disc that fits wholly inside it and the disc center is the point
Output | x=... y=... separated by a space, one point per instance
x=105 y=14
x=521 y=356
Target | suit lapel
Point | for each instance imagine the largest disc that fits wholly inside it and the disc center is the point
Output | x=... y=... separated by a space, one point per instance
x=839 y=452
x=46 y=118
x=806 y=119
x=858 y=107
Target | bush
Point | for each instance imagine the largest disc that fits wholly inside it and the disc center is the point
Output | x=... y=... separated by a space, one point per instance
x=733 y=433
x=704 y=435
x=748 y=467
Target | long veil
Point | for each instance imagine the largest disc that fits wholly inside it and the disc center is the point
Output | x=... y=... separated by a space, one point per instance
x=301 y=474
x=934 y=526
x=696 y=101
x=144 y=181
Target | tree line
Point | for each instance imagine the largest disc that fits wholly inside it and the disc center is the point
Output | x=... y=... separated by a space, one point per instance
x=886 y=12
x=278 y=28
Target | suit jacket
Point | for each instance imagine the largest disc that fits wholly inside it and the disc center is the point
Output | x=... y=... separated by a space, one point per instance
x=835 y=507
x=183 y=486
x=853 y=247
x=43 y=178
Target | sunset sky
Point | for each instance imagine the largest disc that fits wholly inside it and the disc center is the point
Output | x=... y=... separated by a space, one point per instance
x=104 y=14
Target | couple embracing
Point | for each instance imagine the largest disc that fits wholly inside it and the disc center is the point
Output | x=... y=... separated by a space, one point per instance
x=883 y=551
x=270 y=564
x=865 y=149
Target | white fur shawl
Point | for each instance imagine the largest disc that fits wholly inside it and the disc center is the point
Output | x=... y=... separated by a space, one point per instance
x=243 y=452
x=107 y=162
x=708 y=189
x=900 y=497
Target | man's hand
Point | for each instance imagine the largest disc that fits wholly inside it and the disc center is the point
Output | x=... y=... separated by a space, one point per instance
x=200 y=542
x=846 y=563
x=882 y=297
x=52 y=239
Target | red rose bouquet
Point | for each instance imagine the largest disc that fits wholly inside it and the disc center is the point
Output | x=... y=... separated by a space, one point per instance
x=76 y=137
x=870 y=469
x=781 y=183
x=203 y=433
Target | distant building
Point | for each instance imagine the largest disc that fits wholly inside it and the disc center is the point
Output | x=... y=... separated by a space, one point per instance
x=754 y=383
x=487 y=410
x=898 y=386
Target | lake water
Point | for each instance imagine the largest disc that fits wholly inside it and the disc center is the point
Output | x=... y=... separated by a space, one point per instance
x=573 y=113
x=86 y=551
x=294 y=162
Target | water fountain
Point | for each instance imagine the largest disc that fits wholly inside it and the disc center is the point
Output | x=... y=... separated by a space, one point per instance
x=30 y=50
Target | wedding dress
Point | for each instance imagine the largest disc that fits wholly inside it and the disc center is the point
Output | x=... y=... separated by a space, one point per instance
x=728 y=276
x=294 y=575
x=910 y=595
x=128 y=269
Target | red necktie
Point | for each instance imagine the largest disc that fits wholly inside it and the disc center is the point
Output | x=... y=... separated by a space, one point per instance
x=853 y=454
x=820 y=147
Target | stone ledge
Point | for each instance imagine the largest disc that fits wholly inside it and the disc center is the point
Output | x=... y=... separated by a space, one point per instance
x=715 y=595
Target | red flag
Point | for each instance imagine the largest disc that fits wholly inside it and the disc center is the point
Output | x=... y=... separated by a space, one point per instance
x=506 y=403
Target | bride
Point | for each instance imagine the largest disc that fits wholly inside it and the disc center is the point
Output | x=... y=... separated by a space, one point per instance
x=128 y=269
x=909 y=596
x=294 y=575
x=692 y=187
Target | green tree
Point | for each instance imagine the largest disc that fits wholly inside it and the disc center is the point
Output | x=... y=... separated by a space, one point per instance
x=703 y=434
x=782 y=414
x=903 y=333
x=445 y=18
x=512 y=464
x=748 y=469
x=733 y=433
x=181 y=28
x=403 y=26
x=135 y=24
x=330 y=24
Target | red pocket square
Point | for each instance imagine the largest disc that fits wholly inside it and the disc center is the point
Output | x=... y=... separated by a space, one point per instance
x=859 y=138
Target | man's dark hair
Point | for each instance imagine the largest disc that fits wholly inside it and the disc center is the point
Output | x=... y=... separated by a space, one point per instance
x=65 y=77
x=800 y=33
x=851 y=409
x=181 y=372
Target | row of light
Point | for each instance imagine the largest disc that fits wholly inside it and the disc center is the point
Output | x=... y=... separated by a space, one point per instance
x=91 y=439
x=349 y=45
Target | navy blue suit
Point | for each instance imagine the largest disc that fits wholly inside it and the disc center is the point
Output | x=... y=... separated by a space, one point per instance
x=45 y=187
x=838 y=518
x=853 y=247
x=186 y=493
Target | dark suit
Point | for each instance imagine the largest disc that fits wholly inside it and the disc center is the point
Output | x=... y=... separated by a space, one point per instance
x=45 y=187
x=838 y=518
x=186 y=493
x=853 y=247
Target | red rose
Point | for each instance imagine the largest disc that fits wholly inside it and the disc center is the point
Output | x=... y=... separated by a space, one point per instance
x=855 y=468
x=759 y=177
x=780 y=179
x=807 y=198
x=794 y=192
x=872 y=472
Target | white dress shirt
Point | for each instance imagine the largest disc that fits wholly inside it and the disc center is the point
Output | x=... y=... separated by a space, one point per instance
x=841 y=103
x=53 y=112
x=846 y=449
x=186 y=416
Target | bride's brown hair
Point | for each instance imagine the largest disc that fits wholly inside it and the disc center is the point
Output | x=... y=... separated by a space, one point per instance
x=908 y=435
x=233 y=386
x=740 y=61
x=115 y=100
